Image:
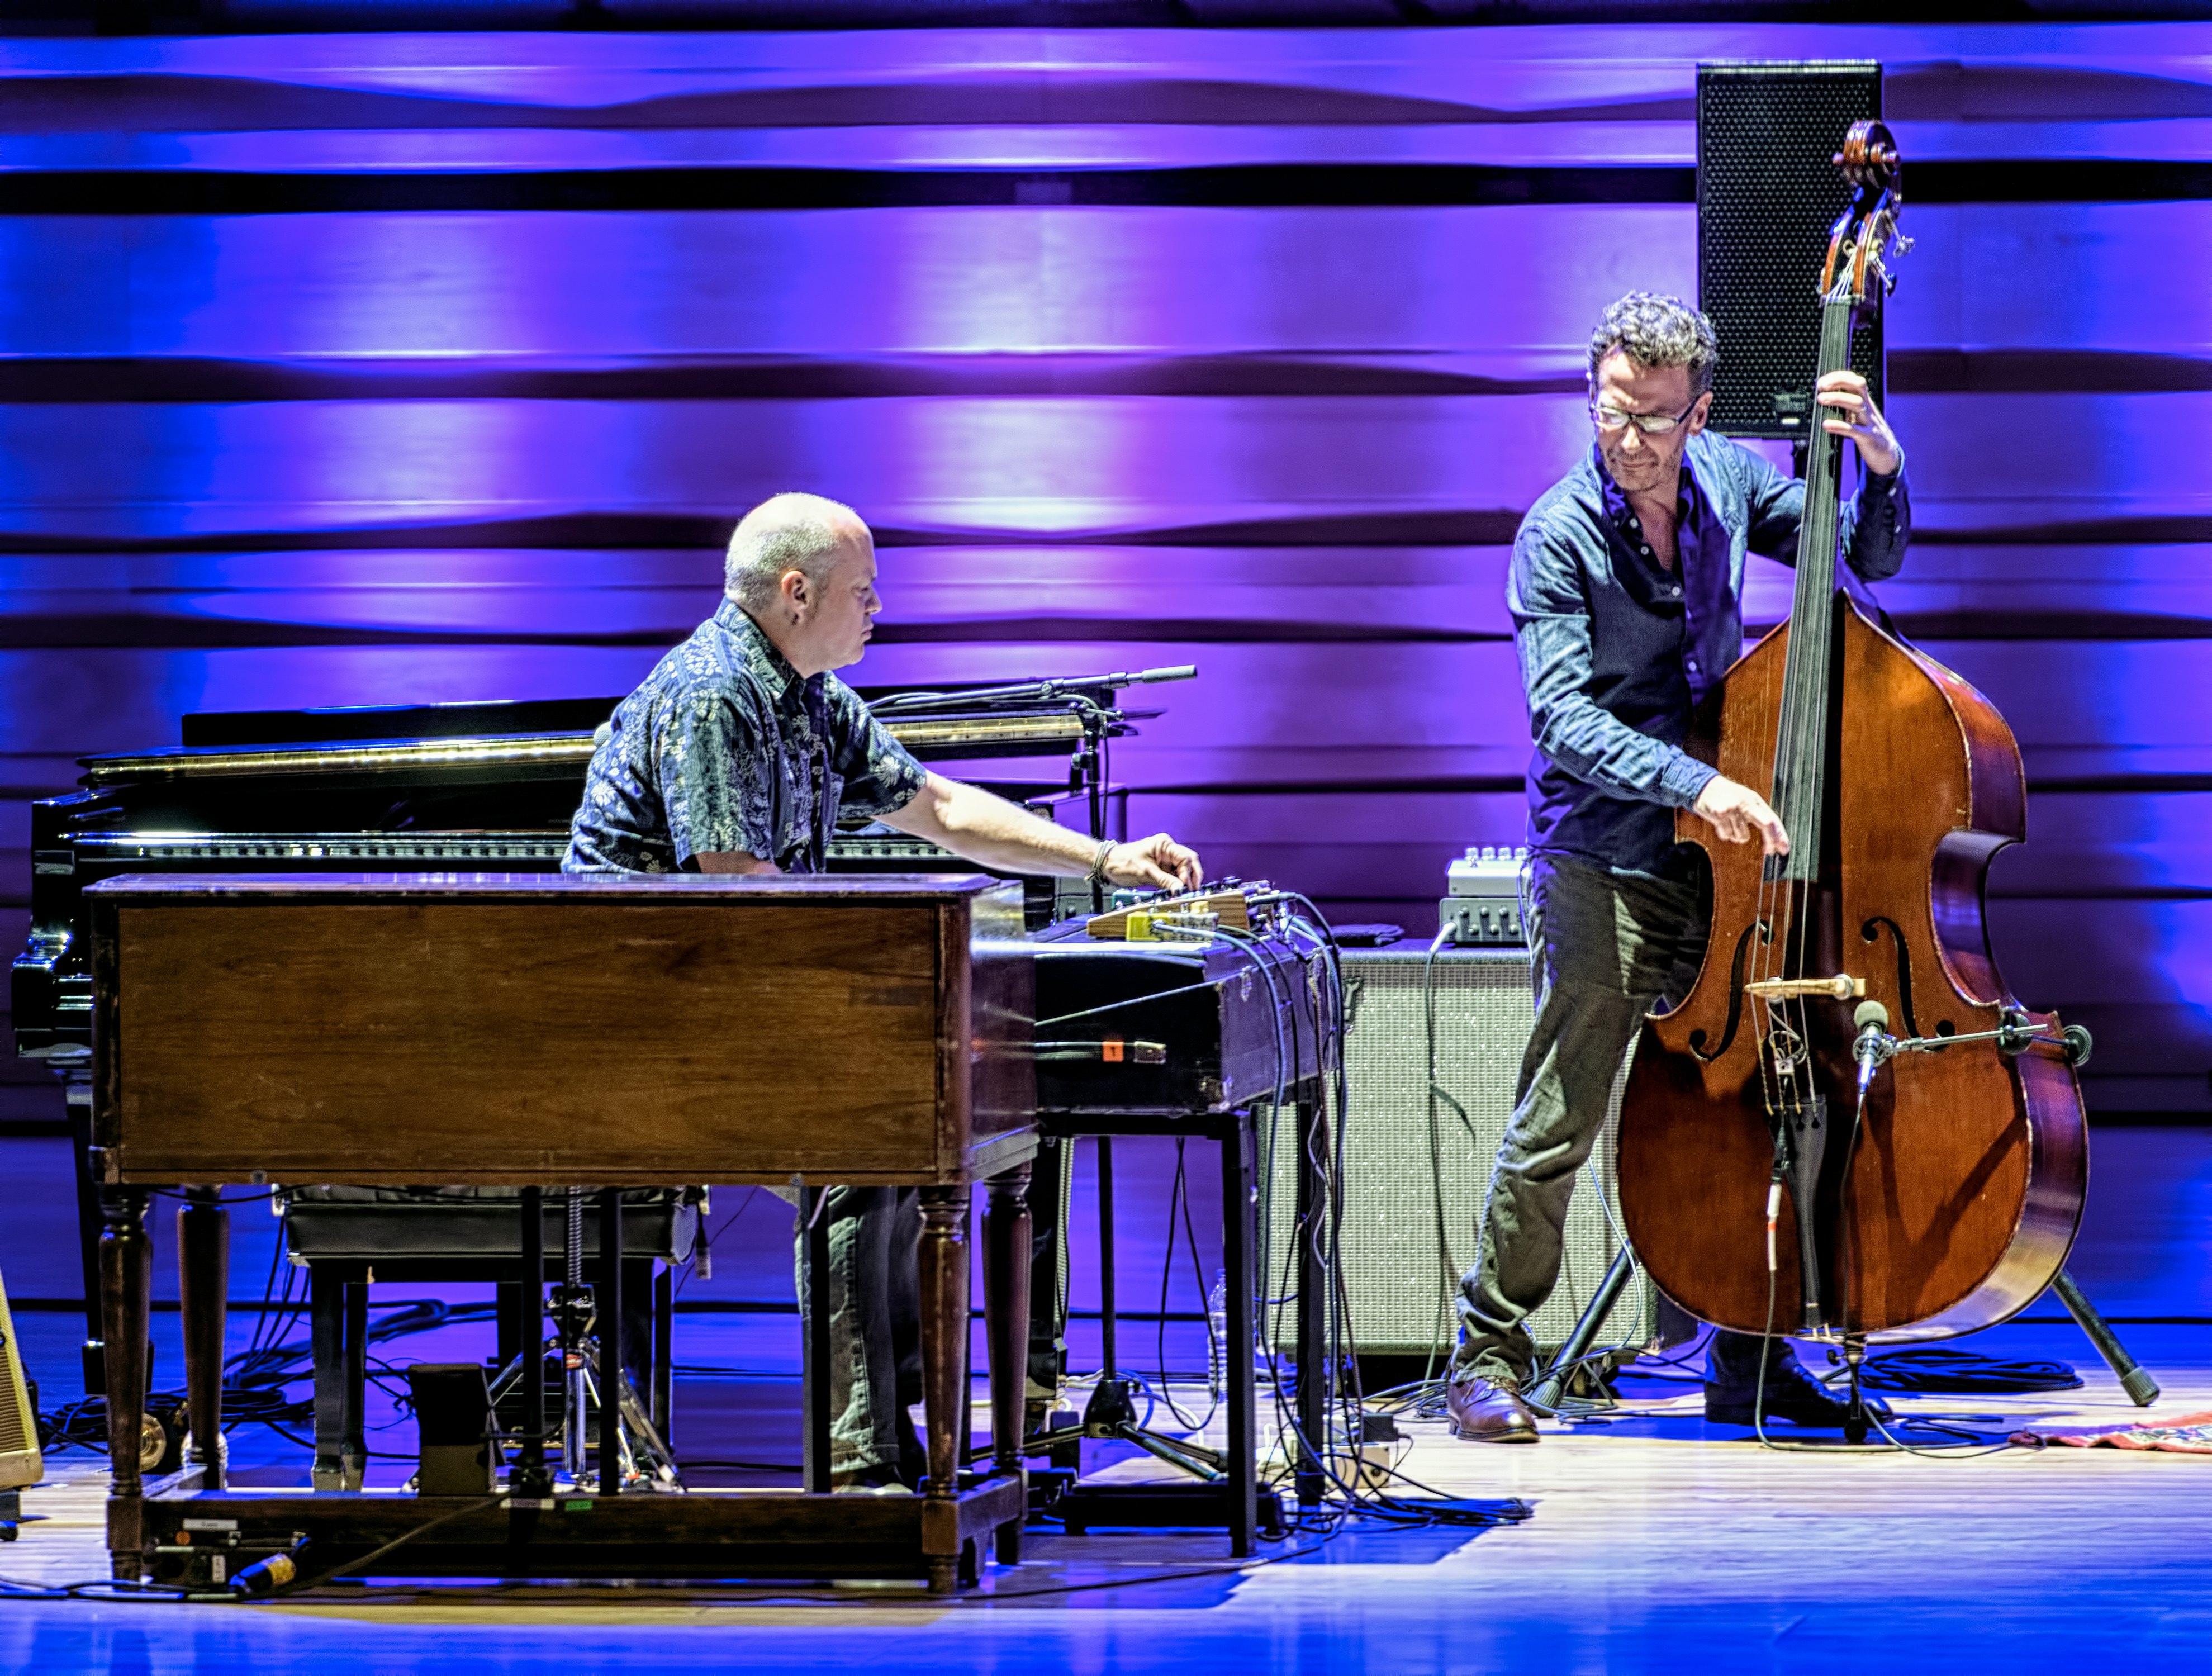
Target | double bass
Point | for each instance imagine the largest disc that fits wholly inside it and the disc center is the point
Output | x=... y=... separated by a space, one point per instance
x=1787 y=1163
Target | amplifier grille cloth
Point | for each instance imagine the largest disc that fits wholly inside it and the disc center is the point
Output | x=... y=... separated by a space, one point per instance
x=21 y=1462
x=1399 y=1288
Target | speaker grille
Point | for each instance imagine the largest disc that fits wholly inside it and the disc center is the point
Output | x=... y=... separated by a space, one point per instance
x=1398 y=1282
x=1767 y=198
x=15 y=1434
x=21 y=1462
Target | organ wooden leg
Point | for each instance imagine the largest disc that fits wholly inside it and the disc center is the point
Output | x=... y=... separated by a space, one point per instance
x=203 y=1290
x=125 y=1272
x=943 y=1366
x=1006 y=1237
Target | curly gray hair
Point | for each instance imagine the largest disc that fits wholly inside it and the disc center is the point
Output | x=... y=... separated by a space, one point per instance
x=788 y=532
x=1655 y=331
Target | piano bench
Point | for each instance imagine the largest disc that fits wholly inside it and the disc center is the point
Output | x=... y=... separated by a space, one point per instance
x=345 y=1237
x=383 y=1224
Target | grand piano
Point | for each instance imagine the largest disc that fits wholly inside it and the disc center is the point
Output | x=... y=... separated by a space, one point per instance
x=459 y=787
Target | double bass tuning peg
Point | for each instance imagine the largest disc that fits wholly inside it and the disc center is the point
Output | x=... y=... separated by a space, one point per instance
x=1869 y=156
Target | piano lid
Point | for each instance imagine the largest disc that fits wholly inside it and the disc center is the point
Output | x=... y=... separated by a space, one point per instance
x=470 y=719
x=528 y=753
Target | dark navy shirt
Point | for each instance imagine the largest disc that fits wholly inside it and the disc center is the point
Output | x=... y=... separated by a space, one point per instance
x=1616 y=651
x=725 y=748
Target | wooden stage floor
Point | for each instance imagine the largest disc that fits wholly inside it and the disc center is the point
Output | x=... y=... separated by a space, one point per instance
x=1656 y=1544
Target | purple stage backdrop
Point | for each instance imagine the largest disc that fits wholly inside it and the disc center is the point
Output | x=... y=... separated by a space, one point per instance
x=368 y=369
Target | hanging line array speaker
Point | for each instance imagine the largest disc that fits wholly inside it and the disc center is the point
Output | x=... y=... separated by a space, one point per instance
x=1767 y=198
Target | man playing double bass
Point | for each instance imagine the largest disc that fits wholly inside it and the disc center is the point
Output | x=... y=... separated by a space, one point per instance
x=1627 y=593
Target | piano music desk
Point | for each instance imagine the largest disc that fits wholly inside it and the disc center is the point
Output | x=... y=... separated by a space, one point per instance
x=532 y=1028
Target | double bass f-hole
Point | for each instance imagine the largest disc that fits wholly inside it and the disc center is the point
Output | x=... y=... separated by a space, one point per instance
x=1736 y=981
x=1871 y=932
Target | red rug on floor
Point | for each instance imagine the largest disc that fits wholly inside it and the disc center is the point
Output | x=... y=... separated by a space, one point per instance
x=2186 y=1433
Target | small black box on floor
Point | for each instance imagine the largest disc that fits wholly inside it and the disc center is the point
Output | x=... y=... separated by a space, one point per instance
x=452 y=1414
x=1089 y=1506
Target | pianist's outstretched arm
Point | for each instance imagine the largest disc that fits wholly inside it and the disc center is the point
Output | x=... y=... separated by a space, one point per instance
x=973 y=823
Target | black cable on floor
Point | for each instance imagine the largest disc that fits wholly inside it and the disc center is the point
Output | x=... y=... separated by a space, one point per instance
x=1929 y=1369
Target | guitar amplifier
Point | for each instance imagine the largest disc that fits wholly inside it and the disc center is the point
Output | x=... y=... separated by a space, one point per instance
x=1417 y=1167
x=20 y=1460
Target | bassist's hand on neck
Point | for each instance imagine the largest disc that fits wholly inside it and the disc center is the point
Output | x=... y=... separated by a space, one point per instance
x=1851 y=413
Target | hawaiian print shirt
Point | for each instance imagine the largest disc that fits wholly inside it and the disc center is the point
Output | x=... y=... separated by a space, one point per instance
x=725 y=748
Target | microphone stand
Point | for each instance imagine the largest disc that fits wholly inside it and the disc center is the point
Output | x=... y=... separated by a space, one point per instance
x=1044 y=691
x=2014 y=1036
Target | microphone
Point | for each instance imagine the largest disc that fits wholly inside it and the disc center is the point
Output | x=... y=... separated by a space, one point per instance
x=1874 y=1044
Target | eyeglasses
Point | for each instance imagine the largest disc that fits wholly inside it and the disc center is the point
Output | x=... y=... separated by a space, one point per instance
x=1652 y=424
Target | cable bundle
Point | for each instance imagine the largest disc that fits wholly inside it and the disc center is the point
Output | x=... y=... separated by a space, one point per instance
x=1930 y=1369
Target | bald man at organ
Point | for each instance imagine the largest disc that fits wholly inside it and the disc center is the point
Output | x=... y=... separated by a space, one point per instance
x=738 y=754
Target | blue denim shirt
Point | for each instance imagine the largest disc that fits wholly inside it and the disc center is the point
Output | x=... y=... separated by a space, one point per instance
x=1616 y=652
x=725 y=748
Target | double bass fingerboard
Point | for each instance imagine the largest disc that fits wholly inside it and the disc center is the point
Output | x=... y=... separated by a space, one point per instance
x=1802 y=739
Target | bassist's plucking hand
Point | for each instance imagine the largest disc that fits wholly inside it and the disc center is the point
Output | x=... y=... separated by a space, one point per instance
x=1736 y=812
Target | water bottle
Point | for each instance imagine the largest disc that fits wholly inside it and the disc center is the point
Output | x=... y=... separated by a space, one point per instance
x=1217 y=1334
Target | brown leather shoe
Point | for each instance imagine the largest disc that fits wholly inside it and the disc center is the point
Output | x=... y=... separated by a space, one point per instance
x=1489 y=1411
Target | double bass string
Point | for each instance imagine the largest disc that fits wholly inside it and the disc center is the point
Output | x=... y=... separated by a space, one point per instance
x=1784 y=926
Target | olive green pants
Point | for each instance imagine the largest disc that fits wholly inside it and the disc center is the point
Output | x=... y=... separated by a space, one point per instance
x=1605 y=948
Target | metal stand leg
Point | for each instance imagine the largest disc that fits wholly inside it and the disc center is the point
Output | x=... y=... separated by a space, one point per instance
x=2142 y=1388
x=1006 y=1236
x=1856 y=1419
x=126 y=1270
x=663 y=1407
x=943 y=1287
x=529 y=1477
x=203 y=1290
x=353 y=1442
x=1553 y=1385
x=611 y=1372
x=1108 y=1304
x=1238 y=1237
x=572 y=1316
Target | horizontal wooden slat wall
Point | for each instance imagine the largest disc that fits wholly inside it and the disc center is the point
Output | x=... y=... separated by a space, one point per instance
x=359 y=369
